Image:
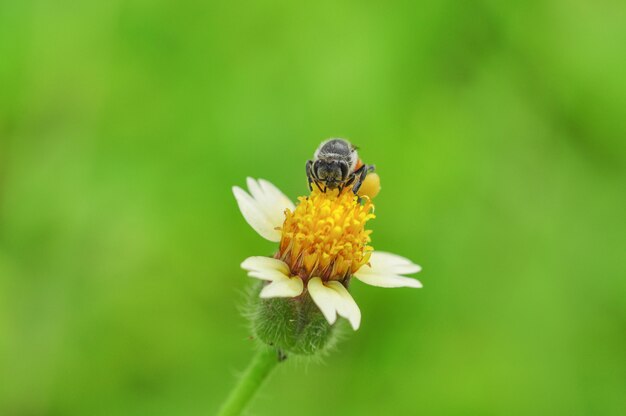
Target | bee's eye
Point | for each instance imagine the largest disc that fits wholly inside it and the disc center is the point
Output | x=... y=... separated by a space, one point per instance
x=317 y=167
x=344 y=169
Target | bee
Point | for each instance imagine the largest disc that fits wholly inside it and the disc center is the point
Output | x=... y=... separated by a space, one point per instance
x=336 y=165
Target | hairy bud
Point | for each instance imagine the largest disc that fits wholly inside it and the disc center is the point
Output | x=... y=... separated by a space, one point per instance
x=293 y=325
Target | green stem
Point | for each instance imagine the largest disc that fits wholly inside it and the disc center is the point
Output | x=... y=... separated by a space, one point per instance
x=251 y=380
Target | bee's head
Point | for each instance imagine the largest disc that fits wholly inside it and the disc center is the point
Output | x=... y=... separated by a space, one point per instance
x=331 y=172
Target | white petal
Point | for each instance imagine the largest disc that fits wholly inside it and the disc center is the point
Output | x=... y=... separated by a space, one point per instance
x=390 y=280
x=333 y=298
x=255 y=215
x=271 y=204
x=264 y=209
x=348 y=308
x=270 y=275
x=262 y=263
x=385 y=270
x=325 y=298
x=287 y=287
x=392 y=262
x=275 y=194
x=266 y=268
x=407 y=269
x=275 y=202
x=255 y=189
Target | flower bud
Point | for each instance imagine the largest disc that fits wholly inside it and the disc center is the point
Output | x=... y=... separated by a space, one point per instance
x=292 y=325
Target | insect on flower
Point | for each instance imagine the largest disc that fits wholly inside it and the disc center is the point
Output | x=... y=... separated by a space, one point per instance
x=336 y=165
x=323 y=241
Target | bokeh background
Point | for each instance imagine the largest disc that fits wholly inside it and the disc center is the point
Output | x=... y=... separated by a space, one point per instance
x=498 y=129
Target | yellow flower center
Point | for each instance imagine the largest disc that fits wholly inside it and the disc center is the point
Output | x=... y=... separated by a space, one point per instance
x=325 y=236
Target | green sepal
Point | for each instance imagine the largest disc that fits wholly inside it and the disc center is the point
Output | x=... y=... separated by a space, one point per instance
x=293 y=325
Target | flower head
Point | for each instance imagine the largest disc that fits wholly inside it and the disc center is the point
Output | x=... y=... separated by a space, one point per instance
x=325 y=236
x=323 y=244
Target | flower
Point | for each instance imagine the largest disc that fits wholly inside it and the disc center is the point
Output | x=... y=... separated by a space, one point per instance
x=323 y=244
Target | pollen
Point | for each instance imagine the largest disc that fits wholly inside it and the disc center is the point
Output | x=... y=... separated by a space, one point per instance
x=325 y=236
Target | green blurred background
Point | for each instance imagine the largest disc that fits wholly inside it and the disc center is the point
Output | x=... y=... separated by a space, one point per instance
x=498 y=129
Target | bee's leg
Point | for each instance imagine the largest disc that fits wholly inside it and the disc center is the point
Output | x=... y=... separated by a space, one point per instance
x=360 y=175
x=312 y=178
x=309 y=174
x=358 y=172
x=347 y=183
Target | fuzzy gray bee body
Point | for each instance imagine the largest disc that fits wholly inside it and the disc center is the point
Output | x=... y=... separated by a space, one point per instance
x=336 y=165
